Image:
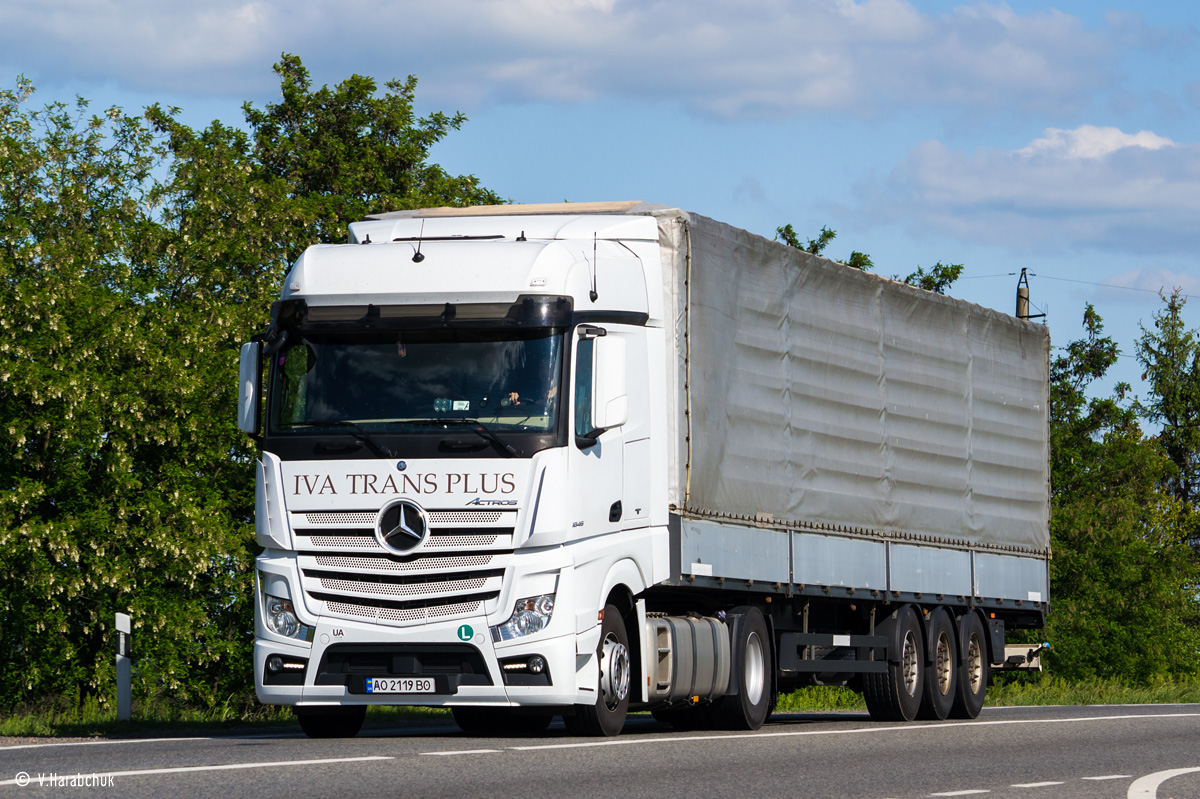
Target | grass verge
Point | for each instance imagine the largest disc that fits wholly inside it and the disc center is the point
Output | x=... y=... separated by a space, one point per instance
x=1008 y=690
x=93 y=718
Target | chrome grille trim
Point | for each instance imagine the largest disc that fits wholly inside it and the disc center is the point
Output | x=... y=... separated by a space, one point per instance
x=356 y=518
x=417 y=565
x=457 y=572
x=422 y=590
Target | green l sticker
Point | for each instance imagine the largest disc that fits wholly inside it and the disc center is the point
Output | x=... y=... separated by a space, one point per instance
x=465 y=632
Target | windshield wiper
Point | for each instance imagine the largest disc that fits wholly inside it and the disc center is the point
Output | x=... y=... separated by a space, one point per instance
x=478 y=427
x=360 y=435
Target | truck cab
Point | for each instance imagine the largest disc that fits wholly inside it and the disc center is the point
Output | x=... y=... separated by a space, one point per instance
x=456 y=477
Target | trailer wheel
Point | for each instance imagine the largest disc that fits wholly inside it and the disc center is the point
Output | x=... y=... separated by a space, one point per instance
x=973 y=676
x=331 y=722
x=499 y=721
x=941 y=680
x=895 y=694
x=752 y=667
x=607 y=716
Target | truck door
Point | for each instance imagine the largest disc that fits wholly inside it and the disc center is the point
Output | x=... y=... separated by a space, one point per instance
x=606 y=367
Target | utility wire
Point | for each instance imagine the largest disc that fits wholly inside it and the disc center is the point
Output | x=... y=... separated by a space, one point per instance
x=1073 y=280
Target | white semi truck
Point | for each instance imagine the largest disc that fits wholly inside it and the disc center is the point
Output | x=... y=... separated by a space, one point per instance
x=577 y=459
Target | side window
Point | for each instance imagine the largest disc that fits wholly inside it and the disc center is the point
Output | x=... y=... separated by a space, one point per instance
x=291 y=372
x=583 y=386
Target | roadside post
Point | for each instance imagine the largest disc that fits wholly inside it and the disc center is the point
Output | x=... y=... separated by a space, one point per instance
x=124 y=674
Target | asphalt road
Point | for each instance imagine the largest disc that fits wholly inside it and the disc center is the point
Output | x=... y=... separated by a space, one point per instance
x=1134 y=752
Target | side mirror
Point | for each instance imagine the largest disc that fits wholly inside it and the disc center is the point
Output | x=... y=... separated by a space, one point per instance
x=249 y=388
x=610 y=400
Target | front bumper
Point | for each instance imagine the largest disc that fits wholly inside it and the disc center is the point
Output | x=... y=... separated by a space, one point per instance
x=466 y=667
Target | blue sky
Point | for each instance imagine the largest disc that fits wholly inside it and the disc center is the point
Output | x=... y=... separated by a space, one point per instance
x=1059 y=137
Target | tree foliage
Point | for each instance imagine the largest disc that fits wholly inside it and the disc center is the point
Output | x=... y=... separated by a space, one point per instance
x=1170 y=358
x=136 y=254
x=1123 y=581
x=938 y=279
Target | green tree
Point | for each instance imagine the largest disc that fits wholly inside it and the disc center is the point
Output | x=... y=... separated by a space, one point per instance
x=136 y=254
x=787 y=234
x=347 y=152
x=1123 y=583
x=1170 y=359
x=938 y=279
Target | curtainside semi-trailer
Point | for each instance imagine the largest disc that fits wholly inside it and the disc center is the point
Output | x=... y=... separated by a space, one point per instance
x=573 y=460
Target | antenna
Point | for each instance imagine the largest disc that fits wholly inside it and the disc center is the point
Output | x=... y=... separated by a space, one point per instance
x=417 y=256
x=595 y=268
x=1023 y=298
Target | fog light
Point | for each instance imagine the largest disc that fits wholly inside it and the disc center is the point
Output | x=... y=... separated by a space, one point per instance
x=274 y=663
x=537 y=664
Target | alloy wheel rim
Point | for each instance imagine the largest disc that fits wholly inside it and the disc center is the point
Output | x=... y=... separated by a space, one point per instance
x=945 y=673
x=974 y=664
x=754 y=668
x=911 y=664
x=614 y=678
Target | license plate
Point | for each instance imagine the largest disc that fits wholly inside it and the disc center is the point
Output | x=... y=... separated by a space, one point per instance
x=400 y=685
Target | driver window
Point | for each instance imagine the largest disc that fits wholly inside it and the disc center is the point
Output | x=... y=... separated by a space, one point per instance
x=583 y=386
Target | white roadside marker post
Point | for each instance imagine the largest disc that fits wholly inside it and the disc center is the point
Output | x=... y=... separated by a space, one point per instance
x=124 y=674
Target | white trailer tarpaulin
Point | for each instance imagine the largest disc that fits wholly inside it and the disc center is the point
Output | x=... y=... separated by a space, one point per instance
x=813 y=395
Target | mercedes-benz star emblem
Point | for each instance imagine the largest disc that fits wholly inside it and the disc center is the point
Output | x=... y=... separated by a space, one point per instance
x=401 y=526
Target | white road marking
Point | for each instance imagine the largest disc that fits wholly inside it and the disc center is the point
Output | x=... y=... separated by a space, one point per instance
x=1034 y=784
x=224 y=767
x=1111 y=777
x=464 y=752
x=104 y=742
x=961 y=793
x=1147 y=787
x=915 y=728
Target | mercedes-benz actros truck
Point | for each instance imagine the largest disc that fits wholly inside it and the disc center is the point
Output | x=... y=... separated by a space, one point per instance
x=572 y=460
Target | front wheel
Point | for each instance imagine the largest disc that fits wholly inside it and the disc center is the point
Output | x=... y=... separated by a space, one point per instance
x=753 y=664
x=607 y=716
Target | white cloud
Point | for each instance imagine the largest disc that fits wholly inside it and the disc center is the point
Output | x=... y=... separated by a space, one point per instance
x=1155 y=280
x=729 y=58
x=1090 y=187
x=1089 y=141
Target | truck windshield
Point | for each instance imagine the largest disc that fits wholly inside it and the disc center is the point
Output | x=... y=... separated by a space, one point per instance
x=396 y=381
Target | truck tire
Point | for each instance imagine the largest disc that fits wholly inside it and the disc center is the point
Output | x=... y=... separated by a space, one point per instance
x=941 y=678
x=607 y=716
x=331 y=722
x=752 y=665
x=499 y=721
x=974 y=671
x=895 y=694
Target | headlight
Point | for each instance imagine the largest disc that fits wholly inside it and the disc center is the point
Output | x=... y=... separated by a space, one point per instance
x=280 y=618
x=530 y=615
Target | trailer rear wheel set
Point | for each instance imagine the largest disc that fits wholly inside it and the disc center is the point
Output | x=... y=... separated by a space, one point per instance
x=935 y=670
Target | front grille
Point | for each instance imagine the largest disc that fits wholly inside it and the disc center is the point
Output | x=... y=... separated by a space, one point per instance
x=457 y=572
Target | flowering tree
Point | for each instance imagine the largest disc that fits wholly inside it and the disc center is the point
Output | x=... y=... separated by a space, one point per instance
x=136 y=254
